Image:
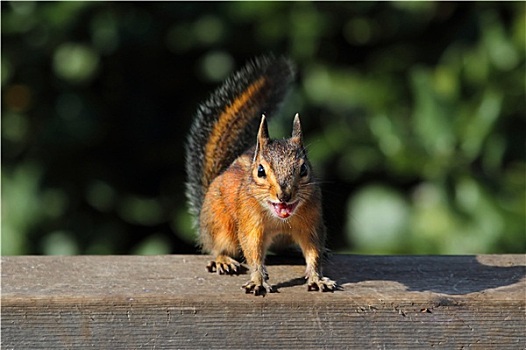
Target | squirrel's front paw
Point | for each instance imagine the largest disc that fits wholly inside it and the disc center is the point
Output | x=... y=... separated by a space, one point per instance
x=224 y=265
x=258 y=289
x=258 y=283
x=322 y=284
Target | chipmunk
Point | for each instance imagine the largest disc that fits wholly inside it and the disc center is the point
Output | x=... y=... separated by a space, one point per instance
x=247 y=198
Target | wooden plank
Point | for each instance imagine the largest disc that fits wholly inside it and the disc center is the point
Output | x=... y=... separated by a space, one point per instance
x=161 y=302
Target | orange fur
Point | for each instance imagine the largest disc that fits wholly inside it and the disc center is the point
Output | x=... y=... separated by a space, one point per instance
x=218 y=137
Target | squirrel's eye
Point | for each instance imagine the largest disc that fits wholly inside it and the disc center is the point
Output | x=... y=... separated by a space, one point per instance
x=261 y=171
x=303 y=170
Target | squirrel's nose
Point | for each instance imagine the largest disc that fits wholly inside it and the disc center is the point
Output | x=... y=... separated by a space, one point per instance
x=285 y=195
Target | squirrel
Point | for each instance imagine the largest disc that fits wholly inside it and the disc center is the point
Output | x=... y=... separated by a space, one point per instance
x=244 y=198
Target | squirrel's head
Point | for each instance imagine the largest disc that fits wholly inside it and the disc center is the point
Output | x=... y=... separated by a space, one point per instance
x=280 y=168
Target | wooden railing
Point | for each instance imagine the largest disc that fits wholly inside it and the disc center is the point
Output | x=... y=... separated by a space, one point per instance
x=171 y=302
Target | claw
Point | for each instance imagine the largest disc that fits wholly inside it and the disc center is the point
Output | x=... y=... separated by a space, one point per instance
x=322 y=284
x=211 y=267
x=262 y=289
x=224 y=266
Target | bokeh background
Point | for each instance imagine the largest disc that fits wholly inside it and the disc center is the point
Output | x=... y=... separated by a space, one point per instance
x=414 y=114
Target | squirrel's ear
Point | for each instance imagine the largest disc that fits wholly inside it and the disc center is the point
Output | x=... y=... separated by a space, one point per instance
x=262 y=134
x=296 y=129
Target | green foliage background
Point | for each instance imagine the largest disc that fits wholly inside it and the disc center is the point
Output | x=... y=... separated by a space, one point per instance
x=414 y=114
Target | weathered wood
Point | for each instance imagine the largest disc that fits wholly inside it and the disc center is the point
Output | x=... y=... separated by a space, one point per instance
x=162 y=302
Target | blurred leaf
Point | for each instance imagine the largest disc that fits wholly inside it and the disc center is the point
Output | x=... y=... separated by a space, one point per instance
x=500 y=49
x=382 y=128
x=433 y=226
x=20 y=206
x=182 y=223
x=105 y=32
x=209 y=29
x=142 y=211
x=20 y=19
x=216 y=65
x=433 y=116
x=480 y=125
x=61 y=14
x=6 y=70
x=101 y=196
x=344 y=88
x=153 y=245
x=75 y=63
x=14 y=127
x=378 y=220
x=59 y=243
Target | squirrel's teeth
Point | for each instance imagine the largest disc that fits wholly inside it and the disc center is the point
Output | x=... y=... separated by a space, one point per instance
x=284 y=210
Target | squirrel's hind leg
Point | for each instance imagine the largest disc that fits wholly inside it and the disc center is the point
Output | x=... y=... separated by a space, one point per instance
x=225 y=250
x=218 y=232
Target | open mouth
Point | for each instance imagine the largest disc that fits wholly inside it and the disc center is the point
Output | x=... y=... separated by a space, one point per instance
x=283 y=210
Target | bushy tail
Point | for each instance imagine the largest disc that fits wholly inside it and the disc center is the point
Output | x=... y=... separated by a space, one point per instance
x=226 y=124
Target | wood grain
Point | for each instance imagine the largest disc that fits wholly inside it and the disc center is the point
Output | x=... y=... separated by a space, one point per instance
x=171 y=302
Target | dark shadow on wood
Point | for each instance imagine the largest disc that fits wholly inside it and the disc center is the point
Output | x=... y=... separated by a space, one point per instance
x=454 y=275
x=283 y=259
x=291 y=283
